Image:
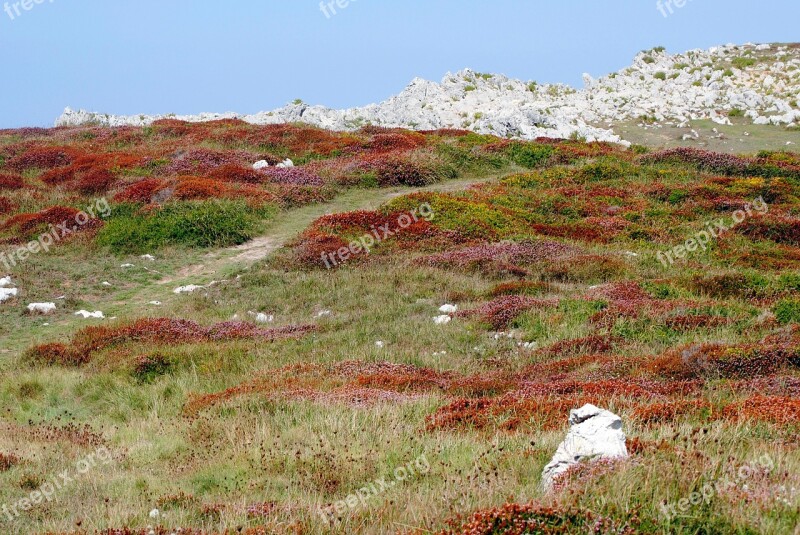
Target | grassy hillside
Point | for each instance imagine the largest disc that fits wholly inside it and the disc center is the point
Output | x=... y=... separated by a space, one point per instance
x=306 y=386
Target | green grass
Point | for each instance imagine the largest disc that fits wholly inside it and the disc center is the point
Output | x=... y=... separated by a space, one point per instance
x=197 y=224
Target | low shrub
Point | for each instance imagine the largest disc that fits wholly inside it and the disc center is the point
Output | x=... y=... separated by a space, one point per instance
x=215 y=223
x=787 y=311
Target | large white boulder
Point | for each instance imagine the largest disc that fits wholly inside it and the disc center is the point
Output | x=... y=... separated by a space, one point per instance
x=595 y=433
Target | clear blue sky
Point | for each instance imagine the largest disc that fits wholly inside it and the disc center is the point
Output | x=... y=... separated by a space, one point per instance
x=189 y=56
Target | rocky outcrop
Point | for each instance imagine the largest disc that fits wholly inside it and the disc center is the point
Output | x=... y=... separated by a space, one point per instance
x=758 y=82
x=595 y=433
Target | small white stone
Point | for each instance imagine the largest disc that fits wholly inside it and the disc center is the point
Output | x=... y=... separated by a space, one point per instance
x=41 y=308
x=126 y=266
x=7 y=293
x=448 y=309
x=187 y=289
x=263 y=318
x=379 y=344
x=261 y=164
x=155 y=513
x=149 y=257
x=5 y=282
x=86 y=314
x=155 y=303
x=442 y=320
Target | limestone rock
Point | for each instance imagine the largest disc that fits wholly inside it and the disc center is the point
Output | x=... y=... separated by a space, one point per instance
x=594 y=433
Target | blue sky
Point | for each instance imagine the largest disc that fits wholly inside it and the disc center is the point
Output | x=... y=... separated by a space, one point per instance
x=189 y=56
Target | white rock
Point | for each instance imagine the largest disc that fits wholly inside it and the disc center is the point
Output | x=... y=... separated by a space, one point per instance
x=155 y=513
x=380 y=344
x=262 y=318
x=190 y=288
x=442 y=320
x=5 y=282
x=126 y=266
x=41 y=308
x=155 y=303
x=261 y=164
x=323 y=313
x=105 y=283
x=86 y=314
x=594 y=434
x=448 y=309
x=518 y=109
x=286 y=163
x=7 y=293
x=149 y=257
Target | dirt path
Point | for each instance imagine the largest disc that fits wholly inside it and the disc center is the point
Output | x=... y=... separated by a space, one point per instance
x=291 y=223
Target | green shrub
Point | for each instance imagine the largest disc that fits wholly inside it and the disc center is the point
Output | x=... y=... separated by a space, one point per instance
x=787 y=311
x=216 y=223
x=742 y=63
x=660 y=75
x=529 y=155
x=735 y=112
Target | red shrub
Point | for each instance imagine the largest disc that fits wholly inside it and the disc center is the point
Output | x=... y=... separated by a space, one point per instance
x=6 y=205
x=7 y=461
x=717 y=360
x=204 y=161
x=778 y=410
x=669 y=411
x=199 y=188
x=715 y=162
x=500 y=312
x=58 y=176
x=313 y=248
x=296 y=176
x=41 y=158
x=54 y=355
x=159 y=331
x=518 y=519
x=57 y=215
x=396 y=142
x=780 y=229
x=237 y=173
x=8 y=181
x=590 y=345
x=142 y=191
x=95 y=181
x=501 y=257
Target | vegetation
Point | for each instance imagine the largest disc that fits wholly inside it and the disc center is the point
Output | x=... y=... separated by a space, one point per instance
x=260 y=402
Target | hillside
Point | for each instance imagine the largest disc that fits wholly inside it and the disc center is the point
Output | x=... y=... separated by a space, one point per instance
x=222 y=327
x=760 y=83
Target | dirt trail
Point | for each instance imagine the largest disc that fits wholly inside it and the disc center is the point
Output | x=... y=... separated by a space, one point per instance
x=290 y=224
